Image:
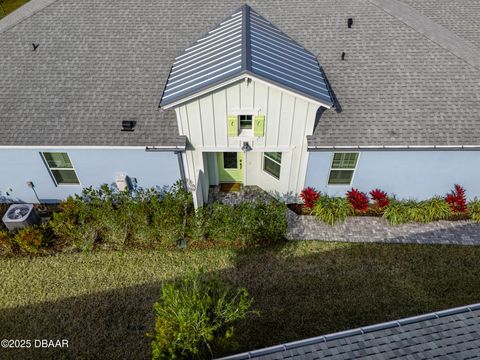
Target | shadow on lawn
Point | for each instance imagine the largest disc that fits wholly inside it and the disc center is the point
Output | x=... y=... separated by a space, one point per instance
x=333 y=287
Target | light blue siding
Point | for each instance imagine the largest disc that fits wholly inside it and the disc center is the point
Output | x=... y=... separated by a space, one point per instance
x=407 y=174
x=94 y=167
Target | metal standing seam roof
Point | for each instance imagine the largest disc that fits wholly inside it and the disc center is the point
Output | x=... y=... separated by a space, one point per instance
x=452 y=333
x=246 y=43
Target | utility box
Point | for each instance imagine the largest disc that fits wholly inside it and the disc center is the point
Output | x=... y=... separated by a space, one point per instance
x=19 y=216
x=123 y=182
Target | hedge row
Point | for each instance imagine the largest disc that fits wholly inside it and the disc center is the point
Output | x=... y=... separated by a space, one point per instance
x=147 y=218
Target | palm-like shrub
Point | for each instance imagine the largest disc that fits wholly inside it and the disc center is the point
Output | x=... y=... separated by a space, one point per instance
x=457 y=199
x=380 y=198
x=309 y=197
x=474 y=209
x=196 y=317
x=434 y=209
x=332 y=209
x=401 y=212
x=358 y=200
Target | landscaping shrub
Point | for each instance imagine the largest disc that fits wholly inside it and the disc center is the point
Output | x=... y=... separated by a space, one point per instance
x=8 y=247
x=474 y=209
x=332 y=209
x=196 y=317
x=73 y=226
x=401 y=212
x=398 y=212
x=32 y=238
x=380 y=198
x=457 y=199
x=114 y=219
x=247 y=223
x=309 y=197
x=434 y=209
x=358 y=200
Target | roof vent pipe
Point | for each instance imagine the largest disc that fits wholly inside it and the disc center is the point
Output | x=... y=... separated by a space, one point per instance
x=35 y=46
x=350 y=23
x=343 y=56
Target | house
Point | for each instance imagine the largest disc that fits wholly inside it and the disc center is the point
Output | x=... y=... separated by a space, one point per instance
x=448 y=334
x=330 y=94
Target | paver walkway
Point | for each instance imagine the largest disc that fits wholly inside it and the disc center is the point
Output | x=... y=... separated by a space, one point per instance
x=373 y=229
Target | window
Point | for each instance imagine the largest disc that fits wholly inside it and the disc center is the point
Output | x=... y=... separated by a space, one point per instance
x=245 y=122
x=343 y=167
x=230 y=160
x=272 y=162
x=61 y=168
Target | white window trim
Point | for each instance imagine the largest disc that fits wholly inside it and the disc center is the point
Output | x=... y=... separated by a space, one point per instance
x=354 y=169
x=263 y=165
x=50 y=170
x=245 y=132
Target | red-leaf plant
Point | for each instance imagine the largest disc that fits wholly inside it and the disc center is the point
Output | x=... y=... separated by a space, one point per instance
x=380 y=198
x=457 y=199
x=358 y=200
x=309 y=197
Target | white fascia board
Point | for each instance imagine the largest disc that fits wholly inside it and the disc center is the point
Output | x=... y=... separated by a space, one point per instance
x=254 y=149
x=84 y=147
x=394 y=147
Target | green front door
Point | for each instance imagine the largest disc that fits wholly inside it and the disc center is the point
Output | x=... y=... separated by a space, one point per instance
x=230 y=167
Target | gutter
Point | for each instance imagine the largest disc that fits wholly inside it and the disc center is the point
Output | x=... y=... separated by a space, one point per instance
x=175 y=148
x=393 y=147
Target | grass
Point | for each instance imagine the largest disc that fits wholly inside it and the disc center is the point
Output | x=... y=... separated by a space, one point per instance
x=102 y=301
x=7 y=6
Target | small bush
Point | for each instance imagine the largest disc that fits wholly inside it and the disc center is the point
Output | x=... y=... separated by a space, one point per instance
x=248 y=223
x=196 y=318
x=401 y=212
x=434 y=209
x=380 y=198
x=73 y=226
x=114 y=219
x=309 y=197
x=3 y=209
x=457 y=199
x=8 y=246
x=358 y=200
x=332 y=209
x=474 y=209
x=31 y=238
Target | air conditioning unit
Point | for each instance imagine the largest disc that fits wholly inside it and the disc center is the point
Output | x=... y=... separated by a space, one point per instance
x=19 y=216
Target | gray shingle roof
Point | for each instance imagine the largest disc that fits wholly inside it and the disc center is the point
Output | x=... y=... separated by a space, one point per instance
x=449 y=334
x=459 y=16
x=101 y=62
x=246 y=43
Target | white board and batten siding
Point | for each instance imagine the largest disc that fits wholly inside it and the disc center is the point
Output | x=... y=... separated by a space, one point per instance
x=288 y=119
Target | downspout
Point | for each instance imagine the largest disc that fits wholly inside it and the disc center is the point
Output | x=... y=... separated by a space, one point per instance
x=182 y=169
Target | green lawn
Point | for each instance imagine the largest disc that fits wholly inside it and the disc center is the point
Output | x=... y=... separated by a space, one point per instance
x=102 y=301
x=7 y=6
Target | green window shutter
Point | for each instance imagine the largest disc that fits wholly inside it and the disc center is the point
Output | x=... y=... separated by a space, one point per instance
x=232 y=123
x=259 y=125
